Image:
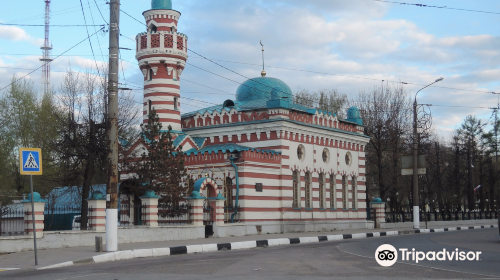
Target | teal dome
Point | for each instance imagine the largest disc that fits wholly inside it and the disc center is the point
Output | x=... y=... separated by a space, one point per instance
x=96 y=196
x=353 y=113
x=263 y=88
x=36 y=198
x=161 y=4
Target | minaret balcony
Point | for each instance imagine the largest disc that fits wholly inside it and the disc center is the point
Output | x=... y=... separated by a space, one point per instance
x=162 y=43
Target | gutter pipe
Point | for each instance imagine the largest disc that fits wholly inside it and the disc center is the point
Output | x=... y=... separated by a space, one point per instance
x=237 y=188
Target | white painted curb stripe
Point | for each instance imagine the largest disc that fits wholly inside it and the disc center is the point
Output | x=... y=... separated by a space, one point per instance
x=209 y=248
x=243 y=245
x=143 y=253
x=160 y=252
x=192 y=249
x=358 y=235
x=335 y=237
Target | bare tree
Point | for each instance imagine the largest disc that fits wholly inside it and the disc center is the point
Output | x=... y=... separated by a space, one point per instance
x=82 y=146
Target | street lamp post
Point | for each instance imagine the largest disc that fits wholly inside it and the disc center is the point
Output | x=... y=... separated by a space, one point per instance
x=416 y=211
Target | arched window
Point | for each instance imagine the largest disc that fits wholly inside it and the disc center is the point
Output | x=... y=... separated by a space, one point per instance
x=154 y=28
x=228 y=192
x=344 y=192
x=321 y=182
x=296 y=189
x=354 y=192
x=333 y=192
x=308 y=190
x=176 y=101
x=149 y=107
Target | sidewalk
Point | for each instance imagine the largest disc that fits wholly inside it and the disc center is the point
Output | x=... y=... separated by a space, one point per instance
x=23 y=260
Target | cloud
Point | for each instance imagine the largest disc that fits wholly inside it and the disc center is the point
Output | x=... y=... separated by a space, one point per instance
x=14 y=33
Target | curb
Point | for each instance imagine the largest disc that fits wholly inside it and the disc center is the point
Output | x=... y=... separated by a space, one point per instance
x=204 y=248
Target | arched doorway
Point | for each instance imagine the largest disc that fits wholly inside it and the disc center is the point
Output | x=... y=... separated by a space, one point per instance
x=210 y=191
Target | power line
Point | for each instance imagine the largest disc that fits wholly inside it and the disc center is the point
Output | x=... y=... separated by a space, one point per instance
x=56 y=13
x=97 y=6
x=90 y=41
x=356 y=77
x=38 y=54
x=52 y=60
x=347 y=76
x=437 y=7
x=53 y=25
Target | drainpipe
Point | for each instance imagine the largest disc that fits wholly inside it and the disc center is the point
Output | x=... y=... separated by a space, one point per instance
x=237 y=189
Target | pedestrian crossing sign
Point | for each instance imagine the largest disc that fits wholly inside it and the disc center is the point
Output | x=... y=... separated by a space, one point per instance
x=30 y=161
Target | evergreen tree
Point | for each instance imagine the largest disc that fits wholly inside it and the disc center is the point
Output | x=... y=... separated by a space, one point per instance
x=161 y=165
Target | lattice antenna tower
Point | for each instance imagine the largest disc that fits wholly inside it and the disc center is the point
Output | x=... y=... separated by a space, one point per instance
x=46 y=48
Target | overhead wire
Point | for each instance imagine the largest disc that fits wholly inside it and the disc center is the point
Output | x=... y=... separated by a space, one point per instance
x=53 y=13
x=97 y=37
x=90 y=41
x=437 y=7
x=52 y=60
x=284 y=68
x=350 y=76
x=53 y=25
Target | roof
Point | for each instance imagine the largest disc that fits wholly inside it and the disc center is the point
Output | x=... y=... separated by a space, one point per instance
x=199 y=141
x=229 y=147
x=281 y=120
x=179 y=140
x=70 y=196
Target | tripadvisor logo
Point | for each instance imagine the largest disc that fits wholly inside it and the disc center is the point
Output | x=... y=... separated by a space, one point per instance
x=387 y=255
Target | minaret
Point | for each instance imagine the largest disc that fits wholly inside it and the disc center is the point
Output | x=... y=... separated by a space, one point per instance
x=162 y=56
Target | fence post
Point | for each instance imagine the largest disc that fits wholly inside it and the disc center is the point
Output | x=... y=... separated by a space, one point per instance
x=219 y=209
x=379 y=207
x=195 y=202
x=97 y=211
x=39 y=205
x=150 y=202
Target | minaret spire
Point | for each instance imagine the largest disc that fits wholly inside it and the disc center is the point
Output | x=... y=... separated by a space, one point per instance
x=263 y=73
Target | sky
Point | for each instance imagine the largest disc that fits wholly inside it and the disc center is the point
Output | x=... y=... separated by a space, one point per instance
x=348 y=45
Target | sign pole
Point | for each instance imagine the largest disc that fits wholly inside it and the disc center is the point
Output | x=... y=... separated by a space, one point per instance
x=30 y=163
x=33 y=219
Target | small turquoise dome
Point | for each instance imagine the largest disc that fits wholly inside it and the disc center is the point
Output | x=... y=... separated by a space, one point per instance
x=353 y=113
x=149 y=194
x=377 y=200
x=96 y=196
x=263 y=88
x=161 y=4
x=36 y=198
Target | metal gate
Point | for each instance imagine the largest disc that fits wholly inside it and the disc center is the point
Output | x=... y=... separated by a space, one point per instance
x=208 y=221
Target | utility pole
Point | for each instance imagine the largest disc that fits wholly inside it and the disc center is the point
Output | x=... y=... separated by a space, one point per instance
x=416 y=212
x=112 y=129
x=416 y=206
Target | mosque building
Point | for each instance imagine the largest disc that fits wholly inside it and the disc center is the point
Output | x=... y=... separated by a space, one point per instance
x=279 y=164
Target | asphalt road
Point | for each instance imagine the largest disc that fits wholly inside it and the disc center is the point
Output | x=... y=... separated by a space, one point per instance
x=353 y=259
